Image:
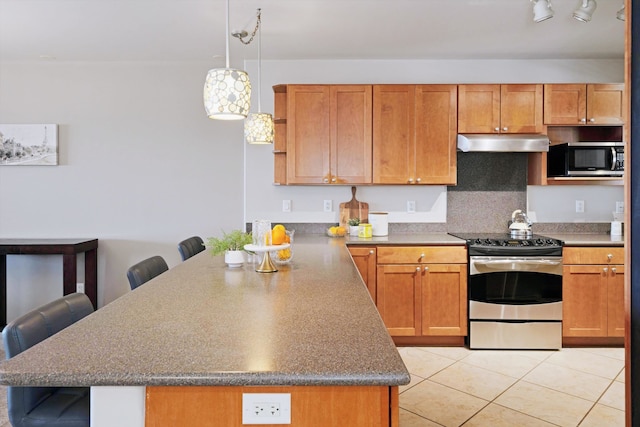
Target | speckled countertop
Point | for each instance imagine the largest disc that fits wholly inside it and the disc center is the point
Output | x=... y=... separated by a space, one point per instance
x=406 y=239
x=587 y=239
x=201 y=323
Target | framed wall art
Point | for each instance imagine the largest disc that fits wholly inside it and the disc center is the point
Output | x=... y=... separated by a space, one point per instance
x=28 y=145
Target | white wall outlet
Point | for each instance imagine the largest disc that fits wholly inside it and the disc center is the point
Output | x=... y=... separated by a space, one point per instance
x=579 y=206
x=619 y=207
x=286 y=206
x=80 y=287
x=328 y=205
x=411 y=206
x=266 y=408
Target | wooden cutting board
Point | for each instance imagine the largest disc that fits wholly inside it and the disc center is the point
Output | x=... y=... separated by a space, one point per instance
x=353 y=209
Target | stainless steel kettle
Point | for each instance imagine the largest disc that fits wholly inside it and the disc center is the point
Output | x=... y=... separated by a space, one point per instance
x=520 y=224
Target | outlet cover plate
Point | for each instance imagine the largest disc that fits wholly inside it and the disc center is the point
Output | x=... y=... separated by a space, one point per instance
x=266 y=408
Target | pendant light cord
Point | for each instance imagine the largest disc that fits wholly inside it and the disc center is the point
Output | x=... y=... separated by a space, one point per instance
x=259 y=61
x=227 y=33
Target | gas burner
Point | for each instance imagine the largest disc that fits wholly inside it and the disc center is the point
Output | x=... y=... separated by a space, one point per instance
x=505 y=244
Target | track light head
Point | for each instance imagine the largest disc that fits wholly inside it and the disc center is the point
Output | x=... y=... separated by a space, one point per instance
x=542 y=10
x=584 y=10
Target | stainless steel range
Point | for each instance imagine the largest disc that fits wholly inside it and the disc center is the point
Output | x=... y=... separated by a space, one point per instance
x=514 y=291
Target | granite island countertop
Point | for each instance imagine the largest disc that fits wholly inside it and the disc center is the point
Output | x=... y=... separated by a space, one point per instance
x=202 y=323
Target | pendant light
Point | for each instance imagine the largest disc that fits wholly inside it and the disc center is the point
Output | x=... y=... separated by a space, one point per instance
x=258 y=127
x=227 y=91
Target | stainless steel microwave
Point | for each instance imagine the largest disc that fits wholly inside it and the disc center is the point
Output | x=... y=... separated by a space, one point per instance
x=586 y=159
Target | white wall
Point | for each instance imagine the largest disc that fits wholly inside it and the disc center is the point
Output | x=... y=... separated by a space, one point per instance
x=141 y=167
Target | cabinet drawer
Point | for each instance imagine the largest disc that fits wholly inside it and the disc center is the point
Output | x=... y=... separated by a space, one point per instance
x=422 y=254
x=597 y=255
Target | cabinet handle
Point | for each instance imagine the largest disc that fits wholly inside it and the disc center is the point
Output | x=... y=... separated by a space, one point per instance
x=417 y=268
x=614 y=270
x=583 y=120
x=333 y=180
x=497 y=129
x=504 y=129
x=426 y=268
x=421 y=255
x=418 y=180
x=610 y=257
x=410 y=179
x=605 y=269
x=371 y=252
x=325 y=180
x=592 y=120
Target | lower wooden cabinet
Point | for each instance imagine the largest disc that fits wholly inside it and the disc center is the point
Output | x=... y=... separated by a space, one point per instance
x=422 y=291
x=364 y=257
x=593 y=292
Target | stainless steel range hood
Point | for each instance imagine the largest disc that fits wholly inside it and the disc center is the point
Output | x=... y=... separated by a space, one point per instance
x=510 y=143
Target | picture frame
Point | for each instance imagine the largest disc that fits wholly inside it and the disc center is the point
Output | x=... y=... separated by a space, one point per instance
x=28 y=144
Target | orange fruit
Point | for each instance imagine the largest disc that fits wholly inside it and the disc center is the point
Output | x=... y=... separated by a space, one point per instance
x=277 y=236
x=287 y=239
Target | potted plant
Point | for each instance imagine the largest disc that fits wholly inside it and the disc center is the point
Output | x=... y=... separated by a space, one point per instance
x=353 y=226
x=231 y=245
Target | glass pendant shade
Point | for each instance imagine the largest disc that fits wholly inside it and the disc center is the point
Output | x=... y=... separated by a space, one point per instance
x=258 y=128
x=227 y=94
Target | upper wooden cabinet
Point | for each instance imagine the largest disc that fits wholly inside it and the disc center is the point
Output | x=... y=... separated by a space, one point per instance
x=583 y=104
x=328 y=134
x=494 y=108
x=414 y=134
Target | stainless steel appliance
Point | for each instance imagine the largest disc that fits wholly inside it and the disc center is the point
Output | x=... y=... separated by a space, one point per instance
x=514 y=291
x=586 y=159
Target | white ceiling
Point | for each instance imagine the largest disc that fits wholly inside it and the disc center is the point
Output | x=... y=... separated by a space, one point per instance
x=194 y=30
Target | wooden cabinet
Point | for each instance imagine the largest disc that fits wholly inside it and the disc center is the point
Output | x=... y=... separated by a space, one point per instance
x=584 y=104
x=364 y=257
x=494 y=108
x=328 y=134
x=422 y=291
x=414 y=134
x=593 y=292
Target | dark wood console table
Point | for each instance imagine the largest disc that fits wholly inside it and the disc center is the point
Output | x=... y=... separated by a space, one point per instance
x=68 y=248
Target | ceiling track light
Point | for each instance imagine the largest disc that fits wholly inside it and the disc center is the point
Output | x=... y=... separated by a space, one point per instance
x=584 y=10
x=542 y=10
x=620 y=14
x=227 y=91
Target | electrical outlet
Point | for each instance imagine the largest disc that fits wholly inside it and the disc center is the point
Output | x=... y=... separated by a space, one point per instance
x=619 y=207
x=266 y=408
x=286 y=206
x=328 y=206
x=80 y=287
x=411 y=206
x=579 y=206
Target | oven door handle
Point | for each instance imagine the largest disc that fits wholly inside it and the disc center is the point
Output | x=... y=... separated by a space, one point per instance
x=517 y=264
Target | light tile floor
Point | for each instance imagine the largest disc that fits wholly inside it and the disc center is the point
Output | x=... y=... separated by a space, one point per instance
x=454 y=386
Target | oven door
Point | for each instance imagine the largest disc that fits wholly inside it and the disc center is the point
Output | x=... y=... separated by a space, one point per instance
x=515 y=288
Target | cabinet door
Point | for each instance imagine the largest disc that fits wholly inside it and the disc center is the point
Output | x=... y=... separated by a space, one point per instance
x=605 y=104
x=521 y=108
x=444 y=300
x=351 y=143
x=584 y=301
x=398 y=298
x=565 y=104
x=615 y=304
x=308 y=134
x=436 y=115
x=478 y=108
x=393 y=134
x=365 y=260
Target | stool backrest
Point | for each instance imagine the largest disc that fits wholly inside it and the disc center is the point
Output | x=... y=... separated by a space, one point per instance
x=146 y=270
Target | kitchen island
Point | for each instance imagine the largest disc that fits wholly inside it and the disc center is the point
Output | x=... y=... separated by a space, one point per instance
x=203 y=332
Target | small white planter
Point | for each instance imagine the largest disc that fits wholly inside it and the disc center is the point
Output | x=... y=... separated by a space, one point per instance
x=353 y=230
x=234 y=258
